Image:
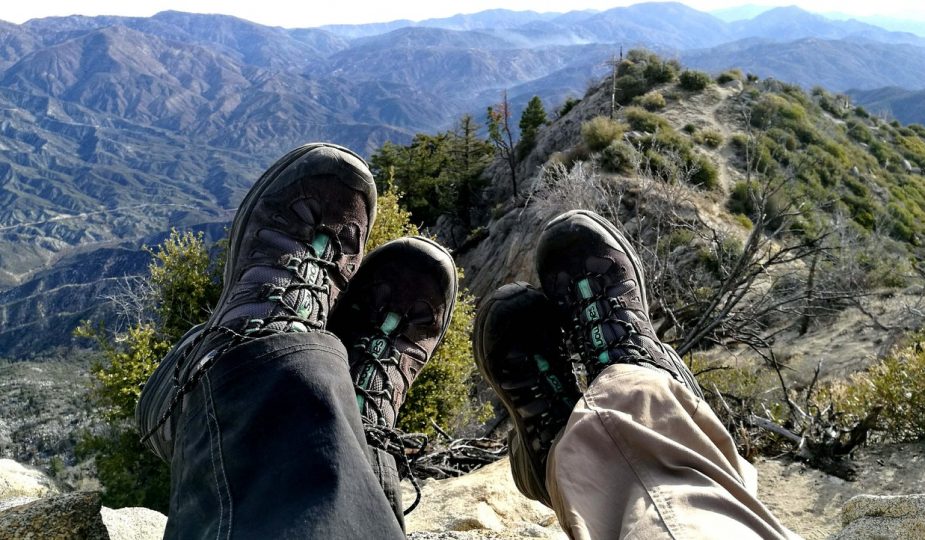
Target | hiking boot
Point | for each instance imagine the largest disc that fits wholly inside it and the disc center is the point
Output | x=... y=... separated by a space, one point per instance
x=518 y=344
x=595 y=278
x=391 y=319
x=296 y=240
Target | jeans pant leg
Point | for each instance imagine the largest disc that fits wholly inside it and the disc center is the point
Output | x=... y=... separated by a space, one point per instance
x=642 y=457
x=269 y=444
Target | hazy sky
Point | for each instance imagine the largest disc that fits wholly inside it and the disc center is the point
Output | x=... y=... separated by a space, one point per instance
x=317 y=12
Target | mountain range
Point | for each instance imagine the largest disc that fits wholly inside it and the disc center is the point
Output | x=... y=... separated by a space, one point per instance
x=114 y=129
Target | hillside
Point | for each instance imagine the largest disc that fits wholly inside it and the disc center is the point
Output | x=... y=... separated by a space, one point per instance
x=691 y=178
x=114 y=129
x=907 y=106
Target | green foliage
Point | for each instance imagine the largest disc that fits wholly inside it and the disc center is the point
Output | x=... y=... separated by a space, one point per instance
x=442 y=390
x=618 y=157
x=710 y=138
x=436 y=174
x=693 y=80
x=896 y=386
x=642 y=120
x=705 y=175
x=652 y=101
x=127 y=363
x=640 y=71
x=392 y=221
x=600 y=131
x=130 y=474
x=730 y=75
x=185 y=284
x=531 y=120
x=861 y=112
x=745 y=199
x=570 y=103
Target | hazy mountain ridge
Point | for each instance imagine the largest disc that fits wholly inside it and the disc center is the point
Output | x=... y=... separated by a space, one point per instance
x=115 y=128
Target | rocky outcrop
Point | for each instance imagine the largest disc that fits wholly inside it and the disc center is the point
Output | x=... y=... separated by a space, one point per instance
x=871 y=517
x=481 y=505
x=72 y=515
x=20 y=484
x=32 y=507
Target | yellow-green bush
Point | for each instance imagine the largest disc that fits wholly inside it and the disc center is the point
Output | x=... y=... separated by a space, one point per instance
x=652 y=101
x=643 y=120
x=600 y=131
x=710 y=138
x=896 y=385
x=693 y=80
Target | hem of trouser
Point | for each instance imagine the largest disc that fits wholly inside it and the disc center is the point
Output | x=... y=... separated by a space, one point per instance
x=754 y=516
x=653 y=489
x=333 y=445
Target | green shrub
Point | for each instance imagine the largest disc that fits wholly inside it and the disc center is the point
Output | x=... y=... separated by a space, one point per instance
x=600 y=131
x=710 y=138
x=570 y=103
x=652 y=101
x=861 y=112
x=694 y=81
x=642 y=120
x=690 y=129
x=896 y=386
x=618 y=157
x=706 y=174
x=729 y=75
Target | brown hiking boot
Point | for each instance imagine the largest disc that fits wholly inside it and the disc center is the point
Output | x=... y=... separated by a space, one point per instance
x=594 y=276
x=519 y=350
x=297 y=239
x=391 y=319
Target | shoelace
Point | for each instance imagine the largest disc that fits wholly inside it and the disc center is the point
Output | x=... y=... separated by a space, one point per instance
x=587 y=332
x=379 y=354
x=255 y=328
x=293 y=317
x=394 y=441
x=547 y=387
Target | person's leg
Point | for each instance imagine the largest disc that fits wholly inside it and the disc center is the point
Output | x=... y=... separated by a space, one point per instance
x=270 y=444
x=272 y=425
x=680 y=469
x=642 y=457
x=642 y=454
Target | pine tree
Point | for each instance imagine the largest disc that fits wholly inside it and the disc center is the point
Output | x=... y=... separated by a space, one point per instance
x=532 y=118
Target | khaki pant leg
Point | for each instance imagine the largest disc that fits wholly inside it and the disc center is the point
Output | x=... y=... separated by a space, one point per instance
x=641 y=457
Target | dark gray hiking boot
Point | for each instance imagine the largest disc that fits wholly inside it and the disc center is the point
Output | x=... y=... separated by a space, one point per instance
x=391 y=319
x=594 y=276
x=519 y=350
x=296 y=240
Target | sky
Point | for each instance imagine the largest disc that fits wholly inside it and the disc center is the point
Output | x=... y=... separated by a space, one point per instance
x=310 y=13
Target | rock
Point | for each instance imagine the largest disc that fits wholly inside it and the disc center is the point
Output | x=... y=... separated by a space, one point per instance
x=871 y=517
x=481 y=505
x=21 y=482
x=69 y=516
x=134 y=523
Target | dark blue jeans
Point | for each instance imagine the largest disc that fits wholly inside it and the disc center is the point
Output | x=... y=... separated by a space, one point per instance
x=269 y=444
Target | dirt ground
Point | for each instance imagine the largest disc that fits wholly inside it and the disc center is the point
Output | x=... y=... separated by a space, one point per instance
x=809 y=502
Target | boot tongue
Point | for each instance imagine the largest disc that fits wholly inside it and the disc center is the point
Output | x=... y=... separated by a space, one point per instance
x=321 y=246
